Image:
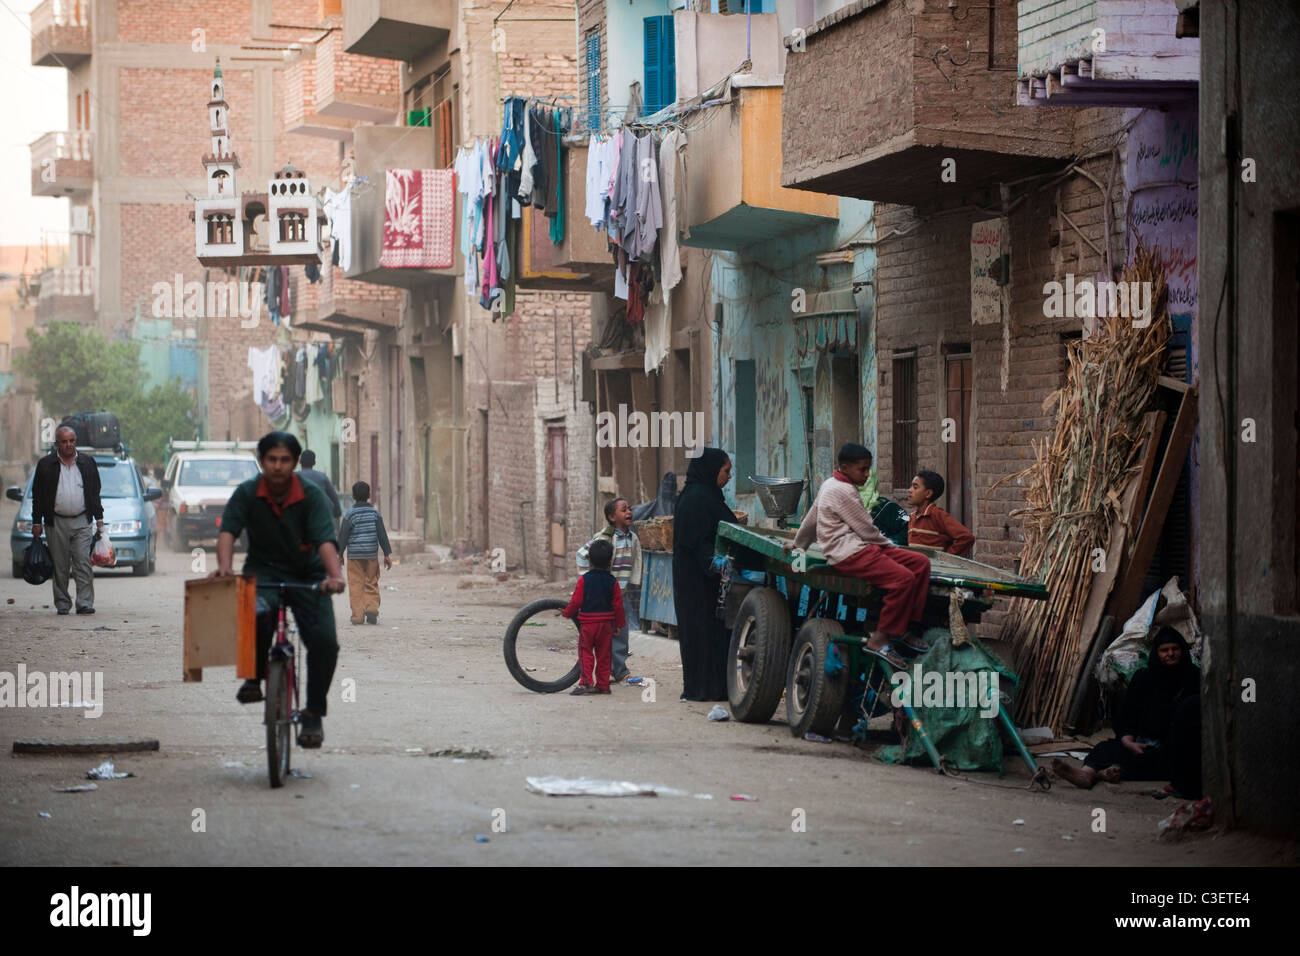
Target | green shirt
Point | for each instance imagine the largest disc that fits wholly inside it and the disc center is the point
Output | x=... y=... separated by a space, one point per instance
x=283 y=546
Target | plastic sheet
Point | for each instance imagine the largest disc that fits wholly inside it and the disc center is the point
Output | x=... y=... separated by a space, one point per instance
x=584 y=787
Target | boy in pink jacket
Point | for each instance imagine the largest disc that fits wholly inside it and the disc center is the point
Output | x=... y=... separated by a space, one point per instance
x=852 y=544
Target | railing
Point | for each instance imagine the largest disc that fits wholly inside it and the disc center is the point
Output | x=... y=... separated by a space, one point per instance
x=68 y=281
x=74 y=145
x=61 y=13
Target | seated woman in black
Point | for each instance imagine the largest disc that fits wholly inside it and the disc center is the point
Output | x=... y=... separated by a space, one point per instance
x=1158 y=730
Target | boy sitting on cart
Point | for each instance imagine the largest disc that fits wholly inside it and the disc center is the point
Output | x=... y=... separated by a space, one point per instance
x=853 y=545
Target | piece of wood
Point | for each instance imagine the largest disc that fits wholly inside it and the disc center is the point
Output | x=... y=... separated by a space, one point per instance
x=220 y=626
x=84 y=745
x=1122 y=530
x=1126 y=598
x=1177 y=384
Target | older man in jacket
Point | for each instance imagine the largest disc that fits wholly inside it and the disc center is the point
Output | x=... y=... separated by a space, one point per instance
x=65 y=499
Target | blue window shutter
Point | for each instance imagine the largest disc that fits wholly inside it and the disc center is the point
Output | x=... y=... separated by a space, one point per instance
x=593 y=82
x=653 y=81
x=668 y=72
x=660 y=64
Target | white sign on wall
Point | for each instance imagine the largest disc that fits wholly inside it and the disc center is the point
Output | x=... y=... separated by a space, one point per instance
x=987 y=245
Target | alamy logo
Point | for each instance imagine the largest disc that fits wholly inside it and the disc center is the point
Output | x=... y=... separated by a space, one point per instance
x=1085 y=300
x=947 y=689
x=55 y=689
x=655 y=430
x=211 y=300
x=103 y=909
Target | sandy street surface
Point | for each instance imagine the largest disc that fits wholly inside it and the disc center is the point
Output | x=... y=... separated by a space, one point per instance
x=431 y=676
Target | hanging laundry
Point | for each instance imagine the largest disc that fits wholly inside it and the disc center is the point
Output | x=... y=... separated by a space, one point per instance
x=419 y=223
x=265 y=366
x=649 y=210
x=539 y=131
x=271 y=290
x=311 y=388
x=286 y=307
x=557 y=219
x=468 y=169
x=312 y=272
x=338 y=206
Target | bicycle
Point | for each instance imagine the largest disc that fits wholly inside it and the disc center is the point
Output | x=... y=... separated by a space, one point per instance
x=282 y=685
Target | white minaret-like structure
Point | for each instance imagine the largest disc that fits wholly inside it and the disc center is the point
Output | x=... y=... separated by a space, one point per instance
x=292 y=212
x=219 y=218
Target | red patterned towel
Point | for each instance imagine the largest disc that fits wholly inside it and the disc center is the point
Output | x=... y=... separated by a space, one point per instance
x=419 y=219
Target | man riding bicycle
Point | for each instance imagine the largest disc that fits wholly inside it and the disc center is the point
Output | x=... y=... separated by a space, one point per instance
x=291 y=539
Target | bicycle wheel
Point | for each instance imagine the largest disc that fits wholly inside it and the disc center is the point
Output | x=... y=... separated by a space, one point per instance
x=540 y=644
x=279 y=727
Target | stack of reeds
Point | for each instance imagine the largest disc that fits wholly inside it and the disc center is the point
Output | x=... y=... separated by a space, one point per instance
x=1073 y=492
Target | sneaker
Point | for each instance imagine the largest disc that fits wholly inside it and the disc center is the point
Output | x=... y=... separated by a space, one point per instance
x=311 y=734
x=85 y=610
x=372 y=617
x=65 y=610
x=250 y=692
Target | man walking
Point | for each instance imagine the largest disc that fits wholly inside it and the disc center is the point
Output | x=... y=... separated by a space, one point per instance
x=65 y=496
x=322 y=481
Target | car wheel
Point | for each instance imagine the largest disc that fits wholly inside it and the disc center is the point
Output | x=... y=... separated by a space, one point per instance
x=18 y=569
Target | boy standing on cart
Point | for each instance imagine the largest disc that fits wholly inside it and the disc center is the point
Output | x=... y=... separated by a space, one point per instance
x=290 y=540
x=838 y=522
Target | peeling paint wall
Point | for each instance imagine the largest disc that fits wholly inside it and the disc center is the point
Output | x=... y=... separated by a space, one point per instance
x=758 y=290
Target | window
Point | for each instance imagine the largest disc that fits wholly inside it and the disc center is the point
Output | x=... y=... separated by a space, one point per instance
x=593 y=81
x=221 y=230
x=746 y=426
x=905 y=423
x=660 y=64
x=293 y=227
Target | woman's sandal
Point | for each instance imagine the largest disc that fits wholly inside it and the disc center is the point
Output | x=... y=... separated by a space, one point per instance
x=888 y=655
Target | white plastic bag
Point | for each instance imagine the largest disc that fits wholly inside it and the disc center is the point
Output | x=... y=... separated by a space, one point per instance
x=103 y=555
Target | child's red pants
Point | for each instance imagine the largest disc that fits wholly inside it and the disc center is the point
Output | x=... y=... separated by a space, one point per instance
x=594 y=641
x=903 y=575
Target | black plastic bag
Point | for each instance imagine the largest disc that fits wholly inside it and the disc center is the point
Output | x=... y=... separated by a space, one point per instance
x=38 y=566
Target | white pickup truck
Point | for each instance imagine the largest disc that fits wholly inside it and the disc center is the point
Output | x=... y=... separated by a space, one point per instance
x=199 y=480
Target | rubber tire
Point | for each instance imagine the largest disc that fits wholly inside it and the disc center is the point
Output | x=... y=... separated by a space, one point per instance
x=512 y=661
x=763 y=621
x=18 y=569
x=141 y=568
x=815 y=706
x=279 y=725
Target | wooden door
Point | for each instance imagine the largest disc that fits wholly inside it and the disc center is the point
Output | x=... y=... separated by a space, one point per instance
x=958 y=478
x=557 y=500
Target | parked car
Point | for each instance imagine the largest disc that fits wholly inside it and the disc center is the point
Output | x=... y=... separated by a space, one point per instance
x=129 y=516
x=199 y=480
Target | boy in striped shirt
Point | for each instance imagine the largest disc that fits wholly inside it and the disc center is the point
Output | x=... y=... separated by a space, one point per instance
x=362 y=535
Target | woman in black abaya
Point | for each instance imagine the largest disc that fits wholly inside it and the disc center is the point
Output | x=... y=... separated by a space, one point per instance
x=701 y=636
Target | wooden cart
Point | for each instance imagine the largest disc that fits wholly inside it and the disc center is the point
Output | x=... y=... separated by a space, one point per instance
x=799 y=627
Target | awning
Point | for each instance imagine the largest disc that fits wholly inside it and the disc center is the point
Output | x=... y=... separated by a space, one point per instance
x=830 y=325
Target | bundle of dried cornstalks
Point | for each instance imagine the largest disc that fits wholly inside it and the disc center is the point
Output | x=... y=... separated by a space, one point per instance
x=1073 y=492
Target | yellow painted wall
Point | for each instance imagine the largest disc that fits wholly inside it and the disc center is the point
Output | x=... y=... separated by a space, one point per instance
x=760 y=131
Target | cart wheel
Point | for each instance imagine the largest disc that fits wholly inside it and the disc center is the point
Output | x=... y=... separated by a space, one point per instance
x=546 y=646
x=760 y=647
x=813 y=698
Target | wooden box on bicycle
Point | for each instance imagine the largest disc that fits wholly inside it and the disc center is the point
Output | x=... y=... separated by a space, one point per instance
x=220 y=626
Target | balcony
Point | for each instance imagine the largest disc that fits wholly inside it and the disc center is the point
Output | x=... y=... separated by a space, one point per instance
x=300 y=114
x=61 y=33
x=376 y=150
x=1104 y=53
x=67 y=295
x=359 y=88
x=736 y=199
x=347 y=306
x=580 y=263
x=62 y=163
x=396 y=29
x=878 y=98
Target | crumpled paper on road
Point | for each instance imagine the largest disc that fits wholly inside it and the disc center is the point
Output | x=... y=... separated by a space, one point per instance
x=584 y=787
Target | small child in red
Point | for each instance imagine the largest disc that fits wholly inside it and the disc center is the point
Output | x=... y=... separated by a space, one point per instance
x=598 y=606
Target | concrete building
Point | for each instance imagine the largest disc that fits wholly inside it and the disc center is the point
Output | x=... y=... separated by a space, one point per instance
x=1250 y=364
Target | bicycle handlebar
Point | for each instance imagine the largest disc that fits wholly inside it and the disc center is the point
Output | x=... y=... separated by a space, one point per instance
x=285 y=585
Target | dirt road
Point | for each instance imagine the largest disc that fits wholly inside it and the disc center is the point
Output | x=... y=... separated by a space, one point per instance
x=430 y=677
